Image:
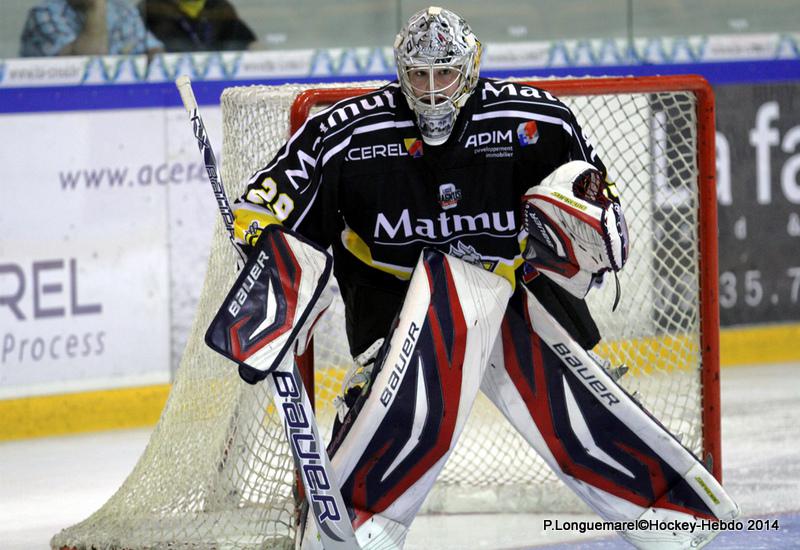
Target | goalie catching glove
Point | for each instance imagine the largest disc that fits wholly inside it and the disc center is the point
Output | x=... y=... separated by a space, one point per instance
x=576 y=230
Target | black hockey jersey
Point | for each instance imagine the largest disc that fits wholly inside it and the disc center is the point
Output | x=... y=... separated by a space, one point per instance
x=357 y=177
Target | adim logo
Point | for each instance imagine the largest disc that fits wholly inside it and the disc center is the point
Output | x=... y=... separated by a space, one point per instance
x=414 y=147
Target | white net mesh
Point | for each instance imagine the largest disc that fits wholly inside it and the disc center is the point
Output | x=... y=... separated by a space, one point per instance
x=217 y=472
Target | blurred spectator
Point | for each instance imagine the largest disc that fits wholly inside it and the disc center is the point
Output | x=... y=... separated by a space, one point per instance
x=86 y=27
x=196 y=25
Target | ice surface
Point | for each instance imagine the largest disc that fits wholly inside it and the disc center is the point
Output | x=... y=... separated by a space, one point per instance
x=48 y=484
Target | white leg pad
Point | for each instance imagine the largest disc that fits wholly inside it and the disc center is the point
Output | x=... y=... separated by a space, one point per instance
x=569 y=445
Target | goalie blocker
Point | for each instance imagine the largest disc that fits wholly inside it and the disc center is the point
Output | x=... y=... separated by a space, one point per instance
x=272 y=308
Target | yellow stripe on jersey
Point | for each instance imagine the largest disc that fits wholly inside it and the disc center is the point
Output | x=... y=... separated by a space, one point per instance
x=249 y=220
x=360 y=249
x=508 y=272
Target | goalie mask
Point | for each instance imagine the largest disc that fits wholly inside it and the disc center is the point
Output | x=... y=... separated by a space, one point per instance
x=437 y=57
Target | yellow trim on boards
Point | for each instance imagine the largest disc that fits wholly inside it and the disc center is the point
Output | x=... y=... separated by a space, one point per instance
x=140 y=407
x=760 y=344
x=82 y=412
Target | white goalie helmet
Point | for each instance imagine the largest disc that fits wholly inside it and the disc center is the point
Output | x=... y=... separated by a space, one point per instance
x=438 y=58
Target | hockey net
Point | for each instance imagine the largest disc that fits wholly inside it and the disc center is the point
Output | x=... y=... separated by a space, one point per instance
x=217 y=471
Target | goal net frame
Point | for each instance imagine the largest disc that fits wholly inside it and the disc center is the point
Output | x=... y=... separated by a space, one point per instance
x=707 y=230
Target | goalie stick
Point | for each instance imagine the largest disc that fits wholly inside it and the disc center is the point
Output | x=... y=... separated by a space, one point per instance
x=187 y=96
x=312 y=461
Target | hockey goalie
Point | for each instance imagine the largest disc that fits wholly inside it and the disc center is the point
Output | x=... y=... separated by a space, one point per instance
x=464 y=268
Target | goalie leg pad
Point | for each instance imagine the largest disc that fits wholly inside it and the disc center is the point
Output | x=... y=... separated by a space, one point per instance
x=621 y=461
x=274 y=304
x=397 y=437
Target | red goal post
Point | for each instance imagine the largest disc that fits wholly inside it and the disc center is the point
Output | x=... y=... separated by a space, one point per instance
x=707 y=219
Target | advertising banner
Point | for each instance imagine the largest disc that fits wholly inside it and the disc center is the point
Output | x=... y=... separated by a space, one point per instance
x=104 y=230
x=758 y=192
